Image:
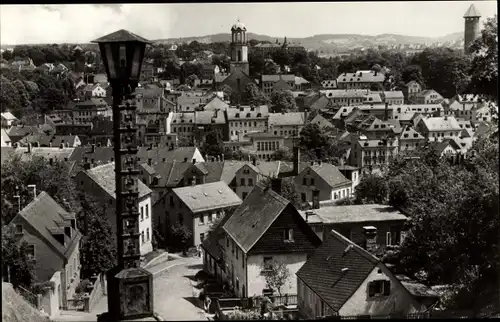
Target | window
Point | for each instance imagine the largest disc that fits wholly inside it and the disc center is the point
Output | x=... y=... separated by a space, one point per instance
x=202 y=237
x=237 y=253
x=147 y=211
x=303 y=197
x=288 y=235
x=388 y=239
x=202 y=219
x=147 y=234
x=180 y=217
x=30 y=251
x=232 y=247
x=19 y=229
x=312 y=182
x=142 y=237
x=379 y=288
x=304 y=181
x=142 y=213
x=227 y=241
x=267 y=265
x=250 y=182
x=242 y=181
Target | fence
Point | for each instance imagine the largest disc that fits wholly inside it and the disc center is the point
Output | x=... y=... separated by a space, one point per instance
x=228 y=304
x=33 y=299
x=419 y=315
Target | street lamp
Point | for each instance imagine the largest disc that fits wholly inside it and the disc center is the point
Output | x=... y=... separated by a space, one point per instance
x=130 y=287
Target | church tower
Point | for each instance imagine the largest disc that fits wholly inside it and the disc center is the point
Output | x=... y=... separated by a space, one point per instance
x=472 y=31
x=239 y=49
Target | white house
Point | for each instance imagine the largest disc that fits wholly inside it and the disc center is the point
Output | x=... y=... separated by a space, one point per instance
x=8 y=119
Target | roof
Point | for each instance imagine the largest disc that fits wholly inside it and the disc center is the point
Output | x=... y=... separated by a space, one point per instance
x=357 y=214
x=375 y=143
x=472 y=12
x=209 y=117
x=345 y=93
x=208 y=196
x=275 y=78
x=330 y=173
x=300 y=80
x=5 y=136
x=21 y=130
x=44 y=152
x=393 y=94
x=239 y=25
x=426 y=92
x=263 y=110
x=292 y=118
x=9 y=116
x=211 y=243
x=409 y=133
x=216 y=104
x=254 y=216
x=361 y=77
x=104 y=176
x=415 y=288
x=322 y=273
x=121 y=35
x=45 y=214
x=321 y=121
x=441 y=123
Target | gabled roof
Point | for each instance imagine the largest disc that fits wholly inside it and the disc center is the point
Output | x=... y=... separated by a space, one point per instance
x=321 y=122
x=322 y=273
x=282 y=85
x=254 y=216
x=209 y=196
x=409 y=133
x=472 y=12
x=9 y=116
x=441 y=123
x=328 y=172
x=276 y=78
x=361 y=76
x=426 y=92
x=44 y=214
x=357 y=214
x=258 y=112
x=104 y=176
x=216 y=104
x=209 y=117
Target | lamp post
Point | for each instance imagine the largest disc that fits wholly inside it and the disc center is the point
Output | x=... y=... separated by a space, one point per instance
x=130 y=288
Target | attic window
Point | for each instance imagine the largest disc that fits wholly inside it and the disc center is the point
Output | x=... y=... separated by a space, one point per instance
x=19 y=229
x=248 y=114
x=406 y=135
x=237 y=115
x=194 y=197
x=190 y=121
x=182 y=121
x=205 y=194
x=259 y=114
x=415 y=135
x=366 y=144
x=379 y=288
x=175 y=121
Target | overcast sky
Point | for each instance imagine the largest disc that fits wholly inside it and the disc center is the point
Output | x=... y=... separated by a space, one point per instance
x=21 y=24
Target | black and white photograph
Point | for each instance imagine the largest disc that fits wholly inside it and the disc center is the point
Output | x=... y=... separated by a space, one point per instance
x=249 y=161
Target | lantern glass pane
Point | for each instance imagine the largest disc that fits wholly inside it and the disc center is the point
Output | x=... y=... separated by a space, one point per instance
x=108 y=55
x=123 y=56
x=136 y=63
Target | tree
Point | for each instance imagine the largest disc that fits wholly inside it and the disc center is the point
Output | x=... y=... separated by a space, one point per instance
x=287 y=191
x=412 y=73
x=23 y=93
x=300 y=57
x=281 y=57
x=15 y=261
x=9 y=98
x=376 y=87
x=181 y=235
x=316 y=144
x=213 y=143
x=191 y=79
x=256 y=63
x=484 y=67
x=254 y=96
x=98 y=248
x=277 y=275
x=283 y=101
x=227 y=90
x=372 y=189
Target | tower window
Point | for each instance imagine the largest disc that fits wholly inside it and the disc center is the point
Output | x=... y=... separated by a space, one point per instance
x=239 y=55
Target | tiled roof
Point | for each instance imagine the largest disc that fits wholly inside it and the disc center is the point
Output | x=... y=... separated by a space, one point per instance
x=216 y=104
x=357 y=214
x=409 y=133
x=322 y=273
x=393 y=94
x=254 y=216
x=183 y=118
x=204 y=197
x=157 y=154
x=275 y=78
x=44 y=152
x=415 y=288
x=300 y=80
x=8 y=116
x=321 y=121
x=260 y=112
x=344 y=93
x=361 y=77
x=465 y=106
x=104 y=176
x=103 y=154
x=21 y=130
x=320 y=103
x=45 y=214
x=373 y=98
x=426 y=92
x=441 y=123
x=209 y=117
x=282 y=85
x=330 y=174
x=292 y=118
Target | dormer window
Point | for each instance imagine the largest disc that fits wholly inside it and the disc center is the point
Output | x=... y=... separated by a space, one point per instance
x=248 y=114
x=237 y=115
x=19 y=229
x=67 y=231
x=288 y=235
x=259 y=114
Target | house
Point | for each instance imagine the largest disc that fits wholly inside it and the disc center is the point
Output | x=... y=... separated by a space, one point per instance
x=286 y=124
x=216 y=104
x=393 y=97
x=53 y=243
x=438 y=128
x=262 y=145
x=17 y=132
x=410 y=140
x=196 y=207
x=428 y=96
x=192 y=101
x=209 y=122
x=96 y=90
x=237 y=81
x=360 y=80
x=343 y=279
x=5 y=139
x=100 y=182
x=264 y=228
x=326 y=179
x=411 y=90
x=387 y=224
x=350 y=172
x=322 y=122
x=268 y=82
x=344 y=97
x=372 y=152
x=329 y=84
x=301 y=84
x=181 y=124
x=245 y=119
x=57 y=141
x=8 y=120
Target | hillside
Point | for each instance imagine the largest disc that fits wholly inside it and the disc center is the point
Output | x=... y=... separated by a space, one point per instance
x=329 y=41
x=16 y=309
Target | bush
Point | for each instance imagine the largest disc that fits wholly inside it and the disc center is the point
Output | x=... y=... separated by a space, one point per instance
x=83 y=286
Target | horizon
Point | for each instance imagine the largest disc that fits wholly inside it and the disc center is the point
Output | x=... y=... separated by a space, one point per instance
x=173 y=21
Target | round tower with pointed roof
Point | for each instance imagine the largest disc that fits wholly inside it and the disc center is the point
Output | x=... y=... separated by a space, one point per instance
x=239 y=48
x=472 y=30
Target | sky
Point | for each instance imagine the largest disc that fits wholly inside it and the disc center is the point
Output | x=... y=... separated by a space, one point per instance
x=81 y=23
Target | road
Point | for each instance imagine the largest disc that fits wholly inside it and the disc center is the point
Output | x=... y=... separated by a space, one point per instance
x=175 y=298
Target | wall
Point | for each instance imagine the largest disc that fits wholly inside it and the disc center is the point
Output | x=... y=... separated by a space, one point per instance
x=325 y=191
x=203 y=227
x=243 y=125
x=245 y=189
x=399 y=299
x=309 y=304
x=145 y=225
x=257 y=282
x=97 y=292
x=72 y=272
x=50 y=300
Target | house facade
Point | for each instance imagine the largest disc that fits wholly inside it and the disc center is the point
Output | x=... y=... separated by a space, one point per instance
x=372 y=153
x=53 y=242
x=246 y=119
x=428 y=96
x=360 y=80
x=287 y=124
x=438 y=128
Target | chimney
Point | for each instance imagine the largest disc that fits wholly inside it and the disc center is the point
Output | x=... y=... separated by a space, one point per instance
x=341 y=162
x=61 y=146
x=309 y=213
x=446 y=117
x=370 y=233
x=276 y=185
x=194 y=161
x=386 y=111
x=150 y=161
x=254 y=162
x=29 y=147
x=312 y=162
x=315 y=199
x=185 y=160
x=93 y=148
